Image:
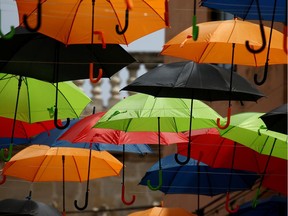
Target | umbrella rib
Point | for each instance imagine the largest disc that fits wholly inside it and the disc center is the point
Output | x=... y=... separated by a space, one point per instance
x=37 y=171
x=76 y=165
x=73 y=20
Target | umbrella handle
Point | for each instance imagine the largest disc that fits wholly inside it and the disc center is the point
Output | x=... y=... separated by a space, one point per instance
x=60 y=127
x=228 y=120
x=263 y=42
x=255 y=200
x=160 y=177
x=9 y=35
x=182 y=162
x=227 y=205
x=39 y=12
x=85 y=205
x=3 y=180
x=123 y=197
x=166 y=14
x=126 y=23
x=100 y=74
x=285 y=39
x=9 y=153
x=63 y=213
x=195 y=28
x=264 y=76
x=102 y=38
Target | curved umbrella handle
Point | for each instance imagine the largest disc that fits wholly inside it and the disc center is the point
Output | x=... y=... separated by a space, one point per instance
x=285 y=39
x=160 y=183
x=9 y=35
x=100 y=74
x=60 y=127
x=9 y=153
x=255 y=200
x=39 y=14
x=228 y=120
x=261 y=82
x=123 y=197
x=182 y=162
x=263 y=42
x=3 y=180
x=195 y=28
x=102 y=38
x=126 y=23
x=227 y=205
x=86 y=202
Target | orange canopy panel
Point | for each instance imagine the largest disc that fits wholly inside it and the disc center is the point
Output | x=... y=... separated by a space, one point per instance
x=40 y=163
x=70 y=21
x=215 y=39
x=162 y=211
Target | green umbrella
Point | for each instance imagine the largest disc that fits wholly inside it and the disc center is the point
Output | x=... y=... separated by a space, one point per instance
x=31 y=100
x=141 y=112
x=249 y=129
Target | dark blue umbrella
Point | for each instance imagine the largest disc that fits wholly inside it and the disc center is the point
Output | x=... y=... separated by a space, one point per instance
x=272 y=206
x=51 y=139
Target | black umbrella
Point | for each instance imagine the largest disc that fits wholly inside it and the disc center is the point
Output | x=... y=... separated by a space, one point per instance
x=276 y=119
x=41 y=57
x=26 y=207
x=195 y=81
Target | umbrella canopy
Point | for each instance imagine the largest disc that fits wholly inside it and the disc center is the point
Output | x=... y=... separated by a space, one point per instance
x=41 y=163
x=140 y=112
x=162 y=211
x=31 y=106
x=247 y=9
x=275 y=205
x=248 y=129
x=192 y=80
x=210 y=148
x=219 y=36
x=276 y=119
x=82 y=131
x=27 y=207
x=23 y=131
x=198 y=178
x=53 y=139
x=74 y=21
x=41 y=57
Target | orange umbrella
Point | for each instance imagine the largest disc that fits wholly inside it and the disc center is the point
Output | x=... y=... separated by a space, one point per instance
x=215 y=40
x=41 y=163
x=73 y=21
x=161 y=211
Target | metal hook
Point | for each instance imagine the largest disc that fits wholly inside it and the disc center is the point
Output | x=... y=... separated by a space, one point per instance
x=228 y=120
x=227 y=205
x=38 y=25
x=91 y=70
x=9 y=153
x=160 y=183
x=126 y=23
x=60 y=127
x=123 y=196
x=264 y=76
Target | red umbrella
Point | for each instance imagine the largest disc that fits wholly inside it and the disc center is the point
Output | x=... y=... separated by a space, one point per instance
x=209 y=147
x=82 y=131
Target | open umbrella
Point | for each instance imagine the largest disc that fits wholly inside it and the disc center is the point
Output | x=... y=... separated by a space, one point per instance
x=41 y=163
x=198 y=178
x=82 y=131
x=27 y=207
x=142 y=112
x=162 y=211
x=38 y=56
x=22 y=99
x=248 y=129
x=194 y=81
x=276 y=119
x=275 y=205
x=23 y=131
x=210 y=148
x=77 y=21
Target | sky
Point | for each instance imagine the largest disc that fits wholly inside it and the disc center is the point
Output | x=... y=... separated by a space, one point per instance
x=151 y=42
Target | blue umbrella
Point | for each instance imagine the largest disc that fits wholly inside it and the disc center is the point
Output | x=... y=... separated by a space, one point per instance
x=272 y=206
x=197 y=178
x=51 y=139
